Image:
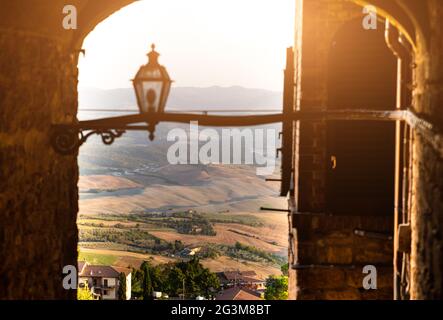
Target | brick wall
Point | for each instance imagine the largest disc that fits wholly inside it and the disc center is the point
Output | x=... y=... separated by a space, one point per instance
x=320 y=21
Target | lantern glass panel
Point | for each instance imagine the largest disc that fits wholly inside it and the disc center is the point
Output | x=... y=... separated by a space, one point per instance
x=152 y=85
x=149 y=94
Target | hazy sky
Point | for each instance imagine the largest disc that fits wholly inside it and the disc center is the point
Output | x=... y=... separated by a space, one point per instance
x=201 y=42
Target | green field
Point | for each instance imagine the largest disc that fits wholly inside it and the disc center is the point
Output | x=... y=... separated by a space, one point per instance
x=95 y=258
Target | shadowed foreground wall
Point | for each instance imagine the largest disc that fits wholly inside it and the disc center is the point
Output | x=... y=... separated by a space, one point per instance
x=38 y=188
x=427 y=211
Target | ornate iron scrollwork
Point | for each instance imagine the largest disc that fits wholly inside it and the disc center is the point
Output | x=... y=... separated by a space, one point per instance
x=66 y=140
x=108 y=136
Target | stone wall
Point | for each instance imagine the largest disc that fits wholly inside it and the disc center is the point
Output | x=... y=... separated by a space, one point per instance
x=427 y=224
x=426 y=260
x=38 y=188
x=331 y=255
x=427 y=211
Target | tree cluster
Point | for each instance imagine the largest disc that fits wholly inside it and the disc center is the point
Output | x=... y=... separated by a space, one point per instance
x=188 y=278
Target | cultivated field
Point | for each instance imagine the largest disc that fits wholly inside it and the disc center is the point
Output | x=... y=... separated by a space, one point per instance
x=120 y=258
x=130 y=259
x=123 y=191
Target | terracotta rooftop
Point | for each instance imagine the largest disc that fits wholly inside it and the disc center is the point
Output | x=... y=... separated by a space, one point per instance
x=245 y=276
x=80 y=266
x=126 y=271
x=98 y=271
x=237 y=293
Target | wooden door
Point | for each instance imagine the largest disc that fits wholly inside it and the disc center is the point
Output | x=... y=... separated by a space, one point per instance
x=361 y=75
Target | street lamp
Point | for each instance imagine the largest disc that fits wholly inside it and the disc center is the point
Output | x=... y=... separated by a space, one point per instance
x=152 y=85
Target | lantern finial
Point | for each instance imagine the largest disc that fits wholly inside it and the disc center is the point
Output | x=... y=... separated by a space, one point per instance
x=153 y=55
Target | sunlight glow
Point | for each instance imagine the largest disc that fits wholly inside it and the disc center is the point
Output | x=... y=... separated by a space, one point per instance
x=202 y=43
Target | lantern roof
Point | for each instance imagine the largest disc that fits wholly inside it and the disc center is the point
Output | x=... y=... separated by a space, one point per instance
x=152 y=70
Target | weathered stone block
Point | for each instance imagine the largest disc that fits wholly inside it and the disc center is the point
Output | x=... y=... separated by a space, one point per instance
x=320 y=278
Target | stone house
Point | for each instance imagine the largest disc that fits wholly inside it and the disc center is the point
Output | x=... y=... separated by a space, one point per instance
x=103 y=281
x=243 y=279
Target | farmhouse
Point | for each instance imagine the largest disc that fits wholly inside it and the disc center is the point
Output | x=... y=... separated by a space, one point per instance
x=103 y=281
x=243 y=279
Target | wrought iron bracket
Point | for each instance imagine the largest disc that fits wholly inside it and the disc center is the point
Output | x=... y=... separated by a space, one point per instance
x=66 y=140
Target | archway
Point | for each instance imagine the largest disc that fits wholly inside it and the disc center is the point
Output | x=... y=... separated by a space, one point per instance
x=144 y=147
x=362 y=75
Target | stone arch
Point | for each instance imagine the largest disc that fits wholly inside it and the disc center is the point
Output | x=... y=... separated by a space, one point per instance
x=411 y=18
x=93 y=14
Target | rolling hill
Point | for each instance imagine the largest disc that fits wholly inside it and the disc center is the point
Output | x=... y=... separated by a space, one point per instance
x=132 y=178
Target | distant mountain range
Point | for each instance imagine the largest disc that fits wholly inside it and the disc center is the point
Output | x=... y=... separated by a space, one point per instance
x=186 y=98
